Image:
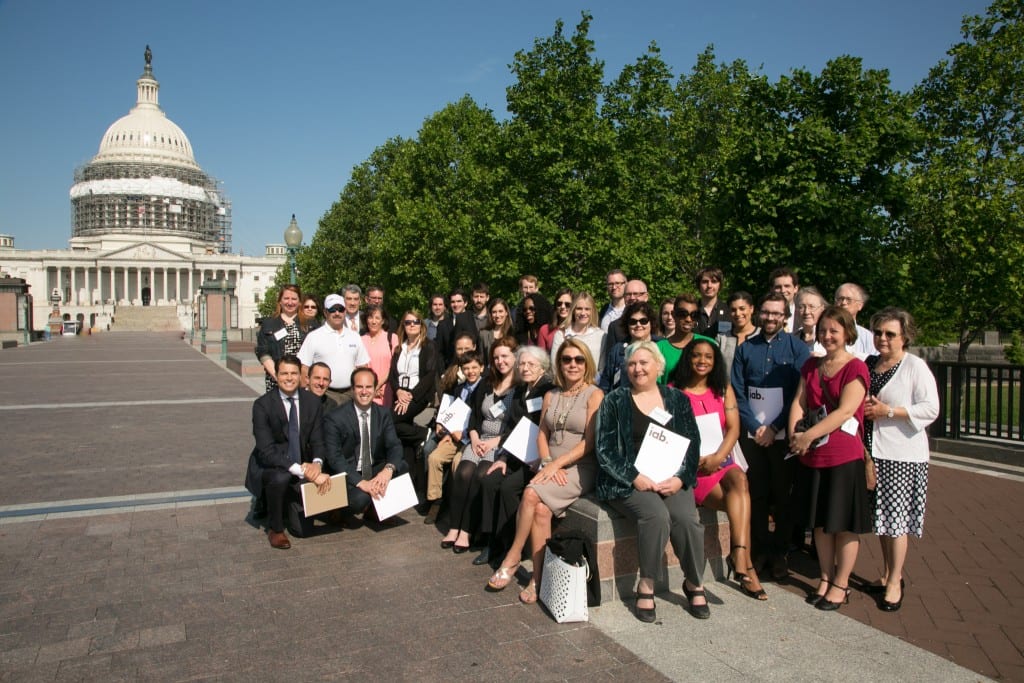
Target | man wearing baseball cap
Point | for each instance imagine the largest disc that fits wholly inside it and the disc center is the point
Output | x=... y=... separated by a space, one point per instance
x=337 y=346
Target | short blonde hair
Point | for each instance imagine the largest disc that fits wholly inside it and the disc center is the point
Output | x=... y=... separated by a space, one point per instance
x=651 y=348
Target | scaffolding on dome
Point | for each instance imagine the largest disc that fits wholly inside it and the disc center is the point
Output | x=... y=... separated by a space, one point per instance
x=150 y=199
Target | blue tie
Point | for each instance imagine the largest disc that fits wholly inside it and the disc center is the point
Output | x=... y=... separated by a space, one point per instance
x=293 y=431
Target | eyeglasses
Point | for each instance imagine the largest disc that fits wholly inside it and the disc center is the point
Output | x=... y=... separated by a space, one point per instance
x=683 y=314
x=410 y=323
x=563 y=304
x=888 y=334
x=807 y=307
x=644 y=293
x=639 y=322
x=840 y=300
x=569 y=360
x=336 y=309
x=771 y=314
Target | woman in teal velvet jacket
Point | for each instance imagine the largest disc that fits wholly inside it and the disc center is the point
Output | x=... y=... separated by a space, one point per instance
x=664 y=511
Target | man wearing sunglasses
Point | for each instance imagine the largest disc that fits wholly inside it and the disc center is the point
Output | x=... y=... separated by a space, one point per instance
x=765 y=376
x=335 y=344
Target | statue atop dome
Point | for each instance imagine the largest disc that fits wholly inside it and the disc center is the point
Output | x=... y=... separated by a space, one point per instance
x=149 y=56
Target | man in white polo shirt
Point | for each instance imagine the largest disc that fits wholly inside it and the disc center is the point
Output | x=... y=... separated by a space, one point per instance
x=337 y=346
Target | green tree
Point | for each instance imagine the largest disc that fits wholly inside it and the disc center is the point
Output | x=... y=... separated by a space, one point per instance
x=819 y=182
x=965 y=242
x=558 y=150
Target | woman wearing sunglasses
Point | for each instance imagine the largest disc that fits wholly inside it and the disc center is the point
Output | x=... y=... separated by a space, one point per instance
x=534 y=312
x=636 y=323
x=311 y=311
x=559 y=314
x=902 y=401
x=413 y=380
x=685 y=314
x=567 y=468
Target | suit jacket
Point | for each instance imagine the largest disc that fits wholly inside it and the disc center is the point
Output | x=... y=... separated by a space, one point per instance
x=425 y=389
x=341 y=432
x=451 y=327
x=270 y=429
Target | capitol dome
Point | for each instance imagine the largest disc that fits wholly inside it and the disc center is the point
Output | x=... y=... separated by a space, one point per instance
x=145 y=179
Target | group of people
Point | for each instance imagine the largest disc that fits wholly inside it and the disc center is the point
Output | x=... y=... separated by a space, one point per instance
x=822 y=422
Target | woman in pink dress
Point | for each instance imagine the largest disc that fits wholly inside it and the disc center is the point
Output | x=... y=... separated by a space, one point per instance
x=380 y=344
x=721 y=483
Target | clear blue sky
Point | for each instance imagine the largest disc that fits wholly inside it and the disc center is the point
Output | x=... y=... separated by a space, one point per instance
x=282 y=99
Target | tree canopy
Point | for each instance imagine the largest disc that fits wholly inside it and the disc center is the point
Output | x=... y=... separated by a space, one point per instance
x=835 y=174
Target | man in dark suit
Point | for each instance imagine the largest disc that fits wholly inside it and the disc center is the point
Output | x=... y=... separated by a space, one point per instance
x=459 y=322
x=362 y=443
x=288 y=427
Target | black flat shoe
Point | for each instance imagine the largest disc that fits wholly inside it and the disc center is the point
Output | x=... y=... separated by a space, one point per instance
x=648 y=616
x=459 y=549
x=483 y=558
x=829 y=606
x=878 y=588
x=887 y=606
x=447 y=545
x=698 y=611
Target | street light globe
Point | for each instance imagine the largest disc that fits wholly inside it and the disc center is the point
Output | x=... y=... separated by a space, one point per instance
x=293 y=235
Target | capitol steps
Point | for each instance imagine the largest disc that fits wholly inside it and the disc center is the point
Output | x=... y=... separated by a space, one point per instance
x=146 y=319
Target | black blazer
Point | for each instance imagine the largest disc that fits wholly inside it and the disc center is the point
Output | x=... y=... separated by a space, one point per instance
x=268 y=345
x=451 y=327
x=520 y=395
x=270 y=429
x=425 y=389
x=341 y=432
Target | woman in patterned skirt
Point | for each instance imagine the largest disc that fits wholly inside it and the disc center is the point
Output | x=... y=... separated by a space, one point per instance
x=902 y=401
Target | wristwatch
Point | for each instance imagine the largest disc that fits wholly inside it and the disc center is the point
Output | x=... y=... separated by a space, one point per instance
x=891 y=414
x=391 y=467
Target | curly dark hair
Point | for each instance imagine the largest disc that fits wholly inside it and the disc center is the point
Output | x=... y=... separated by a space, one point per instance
x=718 y=380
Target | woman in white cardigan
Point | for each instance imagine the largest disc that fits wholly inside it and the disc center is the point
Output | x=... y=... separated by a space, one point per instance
x=902 y=401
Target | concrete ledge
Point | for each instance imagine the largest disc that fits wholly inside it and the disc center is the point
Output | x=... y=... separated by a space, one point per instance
x=244 y=366
x=614 y=539
x=1002 y=451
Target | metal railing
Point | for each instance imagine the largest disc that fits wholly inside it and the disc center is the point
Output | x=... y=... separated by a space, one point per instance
x=979 y=400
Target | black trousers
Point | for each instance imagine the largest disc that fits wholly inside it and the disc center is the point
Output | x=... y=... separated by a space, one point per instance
x=771 y=479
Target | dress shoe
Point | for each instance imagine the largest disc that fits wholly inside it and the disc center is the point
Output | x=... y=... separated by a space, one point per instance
x=447 y=545
x=828 y=606
x=483 y=558
x=279 y=540
x=431 y=517
x=459 y=549
x=887 y=606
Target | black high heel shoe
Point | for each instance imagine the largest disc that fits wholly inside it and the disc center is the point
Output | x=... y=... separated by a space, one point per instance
x=828 y=606
x=814 y=598
x=743 y=579
x=878 y=588
x=698 y=611
x=648 y=616
x=887 y=606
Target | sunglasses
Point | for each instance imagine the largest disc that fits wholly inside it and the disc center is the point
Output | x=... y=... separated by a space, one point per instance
x=310 y=306
x=564 y=304
x=639 y=322
x=578 y=360
x=529 y=309
x=336 y=309
x=888 y=334
x=410 y=323
x=683 y=314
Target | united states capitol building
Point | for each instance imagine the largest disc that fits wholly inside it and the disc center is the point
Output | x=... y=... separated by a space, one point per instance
x=149 y=227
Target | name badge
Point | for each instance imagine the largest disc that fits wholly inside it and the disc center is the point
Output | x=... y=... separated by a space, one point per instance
x=660 y=415
x=280 y=334
x=534 y=404
x=497 y=410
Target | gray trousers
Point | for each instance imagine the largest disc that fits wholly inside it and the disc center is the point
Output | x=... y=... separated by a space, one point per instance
x=659 y=520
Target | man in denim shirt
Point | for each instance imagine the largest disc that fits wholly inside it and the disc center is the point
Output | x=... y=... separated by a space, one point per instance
x=765 y=366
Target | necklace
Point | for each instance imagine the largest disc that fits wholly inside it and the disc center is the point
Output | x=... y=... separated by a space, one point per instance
x=562 y=417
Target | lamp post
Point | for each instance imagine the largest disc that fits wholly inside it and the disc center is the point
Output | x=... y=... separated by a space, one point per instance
x=292 y=239
x=203 y=316
x=224 y=318
x=27 y=322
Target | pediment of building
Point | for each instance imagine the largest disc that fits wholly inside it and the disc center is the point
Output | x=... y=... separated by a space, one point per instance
x=143 y=251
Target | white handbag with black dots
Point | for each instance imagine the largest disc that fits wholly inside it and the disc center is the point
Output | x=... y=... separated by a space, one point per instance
x=563 y=588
